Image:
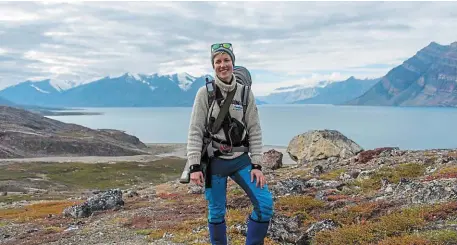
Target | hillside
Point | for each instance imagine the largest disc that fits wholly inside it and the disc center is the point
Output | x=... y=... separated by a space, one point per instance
x=27 y=134
x=429 y=78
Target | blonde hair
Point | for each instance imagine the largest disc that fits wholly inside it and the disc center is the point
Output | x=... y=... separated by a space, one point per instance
x=218 y=53
x=221 y=52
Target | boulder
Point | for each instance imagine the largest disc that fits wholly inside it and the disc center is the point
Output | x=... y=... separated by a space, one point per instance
x=272 y=159
x=321 y=144
x=103 y=201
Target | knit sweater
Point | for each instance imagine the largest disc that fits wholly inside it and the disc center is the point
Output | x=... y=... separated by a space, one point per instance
x=200 y=115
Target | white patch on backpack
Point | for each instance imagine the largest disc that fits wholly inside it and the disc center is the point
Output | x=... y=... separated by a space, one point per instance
x=238 y=107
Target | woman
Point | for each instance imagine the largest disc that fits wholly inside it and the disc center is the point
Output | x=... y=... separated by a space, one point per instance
x=245 y=170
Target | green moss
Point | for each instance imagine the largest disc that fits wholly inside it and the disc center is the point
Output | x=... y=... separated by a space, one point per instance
x=392 y=174
x=144 y=232
x=332 y=175
x=15 y=198
x=290 y=205
x=405 y=239
x=441 y=236
x=100 y=175
x=398 y=223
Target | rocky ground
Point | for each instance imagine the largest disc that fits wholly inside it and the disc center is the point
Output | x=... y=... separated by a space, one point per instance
x=335 y=193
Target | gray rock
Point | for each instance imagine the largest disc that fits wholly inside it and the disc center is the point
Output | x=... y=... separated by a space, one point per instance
x=290 y=186
x=284 y=229
x=132 y=193
x=321 y=144
x=320 y=226
x=195 y=189
x=110 y=199
x=272 y=159
x=436 y=191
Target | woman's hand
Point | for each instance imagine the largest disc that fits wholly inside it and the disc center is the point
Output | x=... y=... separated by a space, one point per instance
x=197 y=178
x=259 y=177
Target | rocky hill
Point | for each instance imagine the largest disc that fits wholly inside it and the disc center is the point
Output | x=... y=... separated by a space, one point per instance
x=27 y=134
x=335 y=193
x=429 y=78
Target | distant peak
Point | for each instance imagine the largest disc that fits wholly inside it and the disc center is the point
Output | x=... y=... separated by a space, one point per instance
x=454 y=45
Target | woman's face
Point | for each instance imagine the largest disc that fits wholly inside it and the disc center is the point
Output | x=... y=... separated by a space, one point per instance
x=223 y=66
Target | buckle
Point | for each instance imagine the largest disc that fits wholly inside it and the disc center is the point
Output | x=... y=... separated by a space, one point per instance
x=225 y=149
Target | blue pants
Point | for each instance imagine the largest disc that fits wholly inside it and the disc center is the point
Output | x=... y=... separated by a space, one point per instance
x=239 y=170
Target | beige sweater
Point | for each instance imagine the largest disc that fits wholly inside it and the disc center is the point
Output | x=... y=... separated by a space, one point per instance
x=200 y=114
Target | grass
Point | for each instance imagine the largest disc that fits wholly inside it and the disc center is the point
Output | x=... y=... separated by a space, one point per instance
x=446 y=172
x=357 y=214
x=392 y=174
x=293 y=205
x=332 y=175
x=397 y=227
x=36 y=211
x=182 y=232
x=96 y=176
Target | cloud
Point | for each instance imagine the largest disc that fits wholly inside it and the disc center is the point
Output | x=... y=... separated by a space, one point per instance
x=300 y=41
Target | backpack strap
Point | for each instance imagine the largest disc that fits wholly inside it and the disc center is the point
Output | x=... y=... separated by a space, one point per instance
x=245 y=101
x=211 y=90
x=223 y=112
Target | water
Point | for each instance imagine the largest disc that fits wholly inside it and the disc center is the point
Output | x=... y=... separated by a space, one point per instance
x=370 y=127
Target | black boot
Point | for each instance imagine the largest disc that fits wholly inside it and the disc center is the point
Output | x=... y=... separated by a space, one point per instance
x=217 y=233
x=256 y=232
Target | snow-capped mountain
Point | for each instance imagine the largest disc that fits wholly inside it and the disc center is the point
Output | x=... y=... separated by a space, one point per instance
x=288 y=95
x=122 y=91
x=324 y=92
x=29 y=92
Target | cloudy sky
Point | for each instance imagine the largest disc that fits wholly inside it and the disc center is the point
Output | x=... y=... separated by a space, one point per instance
x=282 y=43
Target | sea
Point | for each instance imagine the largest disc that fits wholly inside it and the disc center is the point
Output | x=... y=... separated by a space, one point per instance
x=412 y=128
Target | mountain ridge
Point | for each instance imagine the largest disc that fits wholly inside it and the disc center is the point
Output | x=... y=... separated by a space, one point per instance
x=429 y=78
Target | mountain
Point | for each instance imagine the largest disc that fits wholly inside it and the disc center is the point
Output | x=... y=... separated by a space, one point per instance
x=324 y=93
x=340 y=92
x=6 y=102
x=291 y=94
x=429 y=78
x=128 y=90
x=143 y=90
x=39 y=93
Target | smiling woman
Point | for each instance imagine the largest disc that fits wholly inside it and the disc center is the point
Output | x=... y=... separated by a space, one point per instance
x=219 y=122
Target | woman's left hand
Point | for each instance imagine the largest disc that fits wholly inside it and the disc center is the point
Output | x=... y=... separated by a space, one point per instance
x=259 y=177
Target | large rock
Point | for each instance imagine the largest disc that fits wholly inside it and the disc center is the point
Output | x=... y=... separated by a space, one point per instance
x=103 y=201
x=321 y=144
x=272 y=159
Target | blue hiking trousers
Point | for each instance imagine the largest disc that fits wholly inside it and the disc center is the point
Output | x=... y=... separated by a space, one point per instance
x=238 y=169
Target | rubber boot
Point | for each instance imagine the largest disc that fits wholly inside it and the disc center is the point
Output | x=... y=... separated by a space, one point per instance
x=217 y=233
x=256 y=232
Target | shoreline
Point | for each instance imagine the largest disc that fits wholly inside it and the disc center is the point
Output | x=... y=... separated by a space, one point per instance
x=157 y=151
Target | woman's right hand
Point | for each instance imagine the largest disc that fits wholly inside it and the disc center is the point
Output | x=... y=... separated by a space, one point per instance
x=197 y=178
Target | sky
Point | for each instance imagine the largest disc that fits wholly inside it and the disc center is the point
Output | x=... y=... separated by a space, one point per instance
x=282 y=43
